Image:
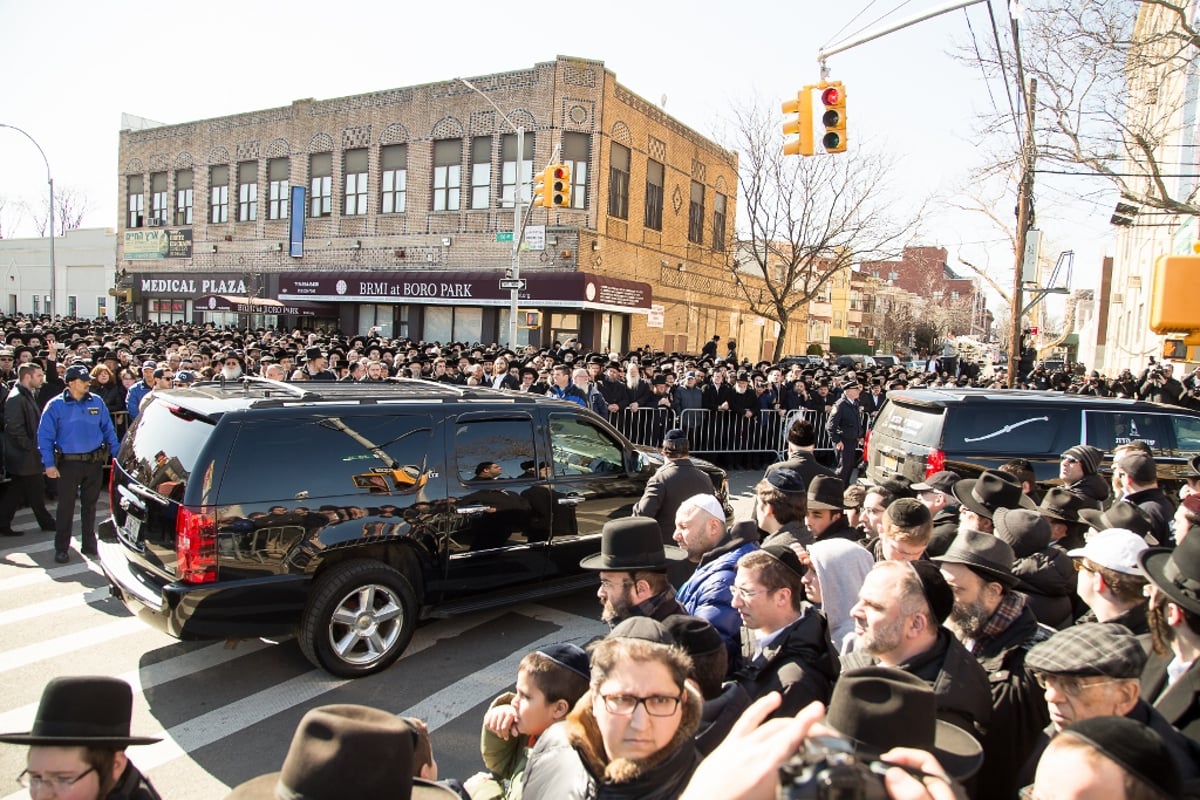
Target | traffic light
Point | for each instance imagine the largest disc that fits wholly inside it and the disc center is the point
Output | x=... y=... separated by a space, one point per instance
x=1173 y=295
x=540 y=182
x=559 y=182
x=800 y=126
x=833 y=98
x=1175 y=349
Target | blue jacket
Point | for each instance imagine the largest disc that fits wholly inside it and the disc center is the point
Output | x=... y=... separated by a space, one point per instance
x=133 y=400
x=706 y=594
x=75 y=426
x=572 y=393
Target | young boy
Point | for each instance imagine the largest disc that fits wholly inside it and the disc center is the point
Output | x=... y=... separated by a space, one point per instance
x=549 y=681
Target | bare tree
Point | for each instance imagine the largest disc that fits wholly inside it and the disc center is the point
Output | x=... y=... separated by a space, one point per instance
x=70 y=206
x=806 y=219
x=1111 y=94
x=10 y=216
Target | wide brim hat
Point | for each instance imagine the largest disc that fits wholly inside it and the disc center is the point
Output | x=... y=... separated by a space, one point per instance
x=1064 y=505
x=631 y=544
x=827 y=493
x=1176 y=572
x=92 y=711
x=1120 y=515
x=984 y=553
x=991 y=490
x=346 y=749
x=879 y=708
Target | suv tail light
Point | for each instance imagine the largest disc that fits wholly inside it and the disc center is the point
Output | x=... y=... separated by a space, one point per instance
x=196 y=545
x=866 y=447
x=935 y=462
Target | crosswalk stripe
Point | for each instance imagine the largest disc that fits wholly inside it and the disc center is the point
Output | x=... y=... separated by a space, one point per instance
x=70 y=643
x=32 y=547
x=34 y=577
x=55 y=606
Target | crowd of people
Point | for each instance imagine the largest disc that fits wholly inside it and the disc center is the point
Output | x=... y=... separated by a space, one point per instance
x=960 y=637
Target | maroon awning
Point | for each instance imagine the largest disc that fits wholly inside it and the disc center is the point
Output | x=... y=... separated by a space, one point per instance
x=263 y=305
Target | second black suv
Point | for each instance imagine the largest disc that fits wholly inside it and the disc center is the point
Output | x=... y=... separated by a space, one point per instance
x=921 y=431
x=344 y=513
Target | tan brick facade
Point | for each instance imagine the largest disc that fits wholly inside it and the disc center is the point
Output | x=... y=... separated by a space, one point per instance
x=580 y=98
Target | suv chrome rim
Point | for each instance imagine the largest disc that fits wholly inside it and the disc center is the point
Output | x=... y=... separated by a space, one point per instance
x=366 y=624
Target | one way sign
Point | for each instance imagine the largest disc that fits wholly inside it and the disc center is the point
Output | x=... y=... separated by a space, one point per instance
x=513 y=283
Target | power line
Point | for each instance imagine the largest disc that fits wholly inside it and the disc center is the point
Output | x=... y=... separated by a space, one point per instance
x=1003 y=70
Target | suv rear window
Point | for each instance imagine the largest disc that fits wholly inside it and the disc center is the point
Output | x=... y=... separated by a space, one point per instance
x=1019 y=431
x=164 y=446
x=913 y=424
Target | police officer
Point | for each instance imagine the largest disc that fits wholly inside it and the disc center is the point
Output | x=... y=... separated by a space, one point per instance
x=845 y=430
x=76 y=438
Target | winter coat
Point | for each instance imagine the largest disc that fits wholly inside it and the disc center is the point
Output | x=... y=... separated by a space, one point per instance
x=706 y=593
x=1159 y=508
x=718 y=716
x=505 y=760
x=1047 y=577
x=672 y=483
x=569 y=761
x=800 y=664
x=945 y=528
x=1090 y=487
x=133 y=786
x=21 y=415
x=805 y=463
x=1179 y=703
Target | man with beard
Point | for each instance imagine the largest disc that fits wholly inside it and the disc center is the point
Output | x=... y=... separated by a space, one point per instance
x=898 y=623
x=232 y=366
x=994 y=624
x=633 y=564
x=1171 y=679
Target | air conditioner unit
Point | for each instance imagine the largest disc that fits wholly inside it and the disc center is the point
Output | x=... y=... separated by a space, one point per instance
x=1135 y=281
x=1117 y=298
x=155 y=222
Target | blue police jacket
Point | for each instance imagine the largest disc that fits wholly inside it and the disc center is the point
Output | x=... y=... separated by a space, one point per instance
x=133 y=400
x=75 y=426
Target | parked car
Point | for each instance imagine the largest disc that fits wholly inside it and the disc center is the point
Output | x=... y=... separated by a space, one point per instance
x=854 y=361
x=921 y=431
x=884 y=361
x=344 y=513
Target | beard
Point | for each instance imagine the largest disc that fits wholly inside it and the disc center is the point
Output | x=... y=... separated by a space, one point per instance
x=616 y=609
x=231 y=373
x=884 y=639
x=967 y=620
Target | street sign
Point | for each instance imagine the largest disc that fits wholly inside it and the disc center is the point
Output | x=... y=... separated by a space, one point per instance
x=535 y=237
x=513 y=283
x=504 y=236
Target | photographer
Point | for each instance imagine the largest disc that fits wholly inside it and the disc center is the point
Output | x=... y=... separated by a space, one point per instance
x=1159 y=385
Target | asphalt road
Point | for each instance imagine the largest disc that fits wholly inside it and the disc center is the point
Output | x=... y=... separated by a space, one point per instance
x=226 y=710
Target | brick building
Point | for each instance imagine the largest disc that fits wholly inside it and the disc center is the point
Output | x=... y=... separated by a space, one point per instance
x=408 y=212
x=925 y=272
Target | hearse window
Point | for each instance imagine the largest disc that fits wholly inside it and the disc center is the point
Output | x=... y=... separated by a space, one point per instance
x=1187 y=434
x=1017 y=431
x=1108 y=429
x=494 y=449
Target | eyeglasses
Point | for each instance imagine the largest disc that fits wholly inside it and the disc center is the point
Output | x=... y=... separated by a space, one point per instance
x=874 y=509
x=1069 y=684
x=60 y=783
x=656 y=705
x=738 y=593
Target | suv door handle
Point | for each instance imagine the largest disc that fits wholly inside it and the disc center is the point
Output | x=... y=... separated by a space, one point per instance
x=572 y=500
x=471 y=509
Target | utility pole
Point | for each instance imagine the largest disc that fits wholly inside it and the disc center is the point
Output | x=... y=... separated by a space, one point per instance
x=1024 y=222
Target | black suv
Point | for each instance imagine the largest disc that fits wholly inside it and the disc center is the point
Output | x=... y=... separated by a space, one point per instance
x=921 y=431
x=343 y=513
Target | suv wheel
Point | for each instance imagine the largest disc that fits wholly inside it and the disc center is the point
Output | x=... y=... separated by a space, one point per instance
x=360 y=617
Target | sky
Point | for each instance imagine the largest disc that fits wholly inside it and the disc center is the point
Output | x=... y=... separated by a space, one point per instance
x=72 y=67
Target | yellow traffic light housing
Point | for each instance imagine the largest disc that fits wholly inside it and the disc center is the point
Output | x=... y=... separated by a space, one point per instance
x=1173 y=307
x=801 y=126
x=833 y=98
x=540 y=183
x=560 y=186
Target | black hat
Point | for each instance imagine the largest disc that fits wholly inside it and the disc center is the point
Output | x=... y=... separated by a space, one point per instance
x=1025 y=531
x=313 y=353
x=1089 y=648
x=695 y=635
x=898 y=485
x=983 y=553
x=645 y=628
x=939 y=481
x=675 y=439
x=1120 y=515
x=91 y=711
x=937 y=592
x=568 y=656
x=880 y=708
x=1065 y=505
x=333 y=742
x=908 y=513
x=1089 y=457
x=991 y=490
x=631 y=544
x=1176 y=572
x=826 y=492
x=1135 y=747
x=786 y=480
x=785 y=555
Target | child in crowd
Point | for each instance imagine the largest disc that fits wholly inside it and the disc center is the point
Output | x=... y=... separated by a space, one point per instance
x=549 y=681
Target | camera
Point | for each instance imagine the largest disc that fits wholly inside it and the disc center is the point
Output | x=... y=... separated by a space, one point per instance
x=827 y=768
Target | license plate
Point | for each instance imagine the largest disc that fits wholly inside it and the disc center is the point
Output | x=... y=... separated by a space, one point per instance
x=891 y=463
x=131 y=532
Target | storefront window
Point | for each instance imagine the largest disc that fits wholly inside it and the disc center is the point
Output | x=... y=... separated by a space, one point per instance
x=612 y=332
x=563 y=327
x=378 y=316
x=452 y=324
x=158 y=310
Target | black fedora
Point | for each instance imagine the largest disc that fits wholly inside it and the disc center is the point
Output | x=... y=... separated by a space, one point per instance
x=1064 y=505
x=1120 y=515
x=631 y=544
x=879 y=708
x=92 y=711
x=984 y=553
x=827 y=493
x=991 y=490
x=343 y=747
x=1176 y=572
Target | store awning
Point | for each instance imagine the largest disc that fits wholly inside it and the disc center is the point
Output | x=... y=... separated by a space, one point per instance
x=264 y=305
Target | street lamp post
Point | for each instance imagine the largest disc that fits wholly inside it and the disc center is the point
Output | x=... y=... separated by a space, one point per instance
x=518 y=227
x=50 y=181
